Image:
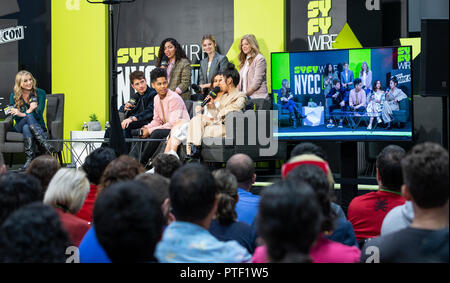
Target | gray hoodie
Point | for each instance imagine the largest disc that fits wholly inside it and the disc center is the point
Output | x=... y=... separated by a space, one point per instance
x=398 y=218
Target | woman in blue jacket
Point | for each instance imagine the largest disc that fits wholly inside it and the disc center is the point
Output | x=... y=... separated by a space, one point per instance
x=28 y=103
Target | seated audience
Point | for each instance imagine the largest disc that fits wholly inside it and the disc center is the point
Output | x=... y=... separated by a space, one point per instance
x=367 y=212
x=169 y=107
x=398 y=218
x=66 y=192
x=339 y=100
x=225 y=226
x=122 y=168
x=33 y=234
x=202 y=126
x=288 y=239
x=333 y=228
x=178 y=67
x=253 y=68
x=128 y=222
x=17 y=190
x=194 y=203
x=94 y=165
x=242 y=167
x=310 y=148
x=43 y=167
x=166 y=164
x=426 y=185
x=391 y=103
x=159 y=185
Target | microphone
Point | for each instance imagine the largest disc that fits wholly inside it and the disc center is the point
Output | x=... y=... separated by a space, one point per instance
x=196 y=88
x=132 y=101
x=213 y=94
x=33 y=99
x=165 y=61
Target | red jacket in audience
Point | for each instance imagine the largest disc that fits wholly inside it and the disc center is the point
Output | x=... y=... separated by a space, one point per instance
x=87 y=209
x=75 y=227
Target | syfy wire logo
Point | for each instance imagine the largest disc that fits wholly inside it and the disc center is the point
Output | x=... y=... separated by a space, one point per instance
x=11 y=34
x=320 y=22
x=404 y=58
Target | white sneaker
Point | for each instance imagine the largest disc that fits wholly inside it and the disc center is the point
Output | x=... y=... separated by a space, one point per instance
x=369 y=127
x=379 y=121
x=330 y=125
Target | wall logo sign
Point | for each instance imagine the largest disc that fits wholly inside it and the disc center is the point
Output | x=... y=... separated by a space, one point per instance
x=319 y=24
x=11 y=34
x=373 y=5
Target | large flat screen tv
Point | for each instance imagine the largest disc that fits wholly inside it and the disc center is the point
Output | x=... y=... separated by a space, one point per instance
x=346 y=94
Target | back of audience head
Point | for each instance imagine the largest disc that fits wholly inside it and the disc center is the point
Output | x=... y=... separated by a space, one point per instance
x=2 y=164
x=67 y=190
x=317 y=179
x=122 y=168
x=242 y=167
x=227 y=196
x=389 y=167
x=96 y=162
x=166 y=164
x=17 y=190
x=309 y=148
x=425 y=171
x=128 y=222
x=159 y=185
x=43 y=167
x=193 y=193
x=33 y=234
x=289 y=221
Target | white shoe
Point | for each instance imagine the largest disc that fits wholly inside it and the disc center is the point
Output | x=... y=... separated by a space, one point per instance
x=379 y=121
x=172 y=152
x=369 y=127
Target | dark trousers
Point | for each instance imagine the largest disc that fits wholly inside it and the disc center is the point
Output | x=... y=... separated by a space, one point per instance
x=126 y=132
x=24 y=127
x=337 y=106
x=150 y=147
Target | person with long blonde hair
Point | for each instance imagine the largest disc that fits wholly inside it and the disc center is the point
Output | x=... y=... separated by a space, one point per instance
x=28 y=104
x=253 y=68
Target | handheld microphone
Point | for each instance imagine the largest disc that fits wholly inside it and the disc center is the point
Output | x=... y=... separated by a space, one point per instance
x=33 y=99
x=165 y=61
x=196 y=88
x=213 y=94
x=132 y=101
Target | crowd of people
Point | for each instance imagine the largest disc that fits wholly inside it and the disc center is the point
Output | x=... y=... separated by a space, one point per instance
x=111 y=210
x=361 y=95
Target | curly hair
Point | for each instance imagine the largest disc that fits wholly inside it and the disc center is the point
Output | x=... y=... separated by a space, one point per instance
x=33 y=234
x=166 y=164
x=122 y=168
x=179 y=52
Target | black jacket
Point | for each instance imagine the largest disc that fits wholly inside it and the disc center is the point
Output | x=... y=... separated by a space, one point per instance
x=143 y=110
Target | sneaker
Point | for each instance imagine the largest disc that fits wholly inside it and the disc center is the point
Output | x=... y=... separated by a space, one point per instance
x=340 y=125
x=330 y=125
x=369 y=127
x=379 y=121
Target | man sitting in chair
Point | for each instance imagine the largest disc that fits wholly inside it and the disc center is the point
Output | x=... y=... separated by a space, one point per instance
x=339 y=101
x=357 y=100
x=169 y=107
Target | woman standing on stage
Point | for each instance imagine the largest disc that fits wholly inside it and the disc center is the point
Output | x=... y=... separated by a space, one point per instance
x=253 y=68
x=211 y=65
x=29 y=104
x=178 y=67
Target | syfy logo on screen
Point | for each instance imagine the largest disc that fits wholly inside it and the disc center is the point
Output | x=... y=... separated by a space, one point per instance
x=319 y=24
x=404 y=58
x=11 y=34
x=308 y=79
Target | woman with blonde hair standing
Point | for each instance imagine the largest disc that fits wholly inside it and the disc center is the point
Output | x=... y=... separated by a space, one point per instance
x=28 y=103
x=211 y=65
x=253 y=68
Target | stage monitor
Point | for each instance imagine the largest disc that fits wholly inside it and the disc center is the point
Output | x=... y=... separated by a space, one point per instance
x=313 y=104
